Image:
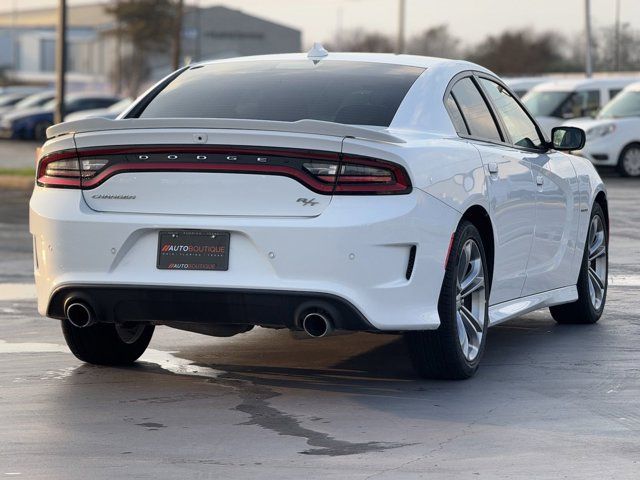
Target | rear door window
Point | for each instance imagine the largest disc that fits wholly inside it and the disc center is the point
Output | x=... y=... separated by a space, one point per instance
x=475 y=111
x=522 y=130
x=356 y=93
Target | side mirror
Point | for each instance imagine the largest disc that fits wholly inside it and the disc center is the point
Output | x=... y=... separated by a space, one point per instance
x=568 y=138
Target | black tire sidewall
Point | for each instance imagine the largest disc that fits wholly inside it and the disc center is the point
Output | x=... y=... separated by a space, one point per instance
x=447 y=301
x=40 y=130
x=583 y=283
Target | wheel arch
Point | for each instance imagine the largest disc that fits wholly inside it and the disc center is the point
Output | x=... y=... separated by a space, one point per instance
x=623 y=151
x=601 y=199
x=627 y=145
x=480 y=218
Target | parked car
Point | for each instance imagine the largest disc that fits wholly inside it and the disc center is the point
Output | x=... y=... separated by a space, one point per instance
x=362 y=192
x=521 y=85
x=32 y=123
x=112 y=112
x=555 y=102
x=21 y=89
x=9 y=100
x=33 y=100
x=613 y=137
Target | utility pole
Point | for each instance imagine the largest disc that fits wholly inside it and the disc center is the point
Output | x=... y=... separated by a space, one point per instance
x=118 y=62
x=588 y=65
x=402 y=11
x=177 y=35
x=61 y=60
x=617 y=39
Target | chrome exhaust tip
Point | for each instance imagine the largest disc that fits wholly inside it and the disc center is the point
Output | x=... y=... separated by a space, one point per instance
x=79 y=314
x=317 y=324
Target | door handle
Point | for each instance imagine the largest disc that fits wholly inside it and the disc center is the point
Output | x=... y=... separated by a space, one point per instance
x=493 y=168
x=540 y=180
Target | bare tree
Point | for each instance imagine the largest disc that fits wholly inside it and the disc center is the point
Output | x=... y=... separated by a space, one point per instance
x=520 y=52
x=147 y=26
x=435 y=42
x=618 y=51
x=362 y=41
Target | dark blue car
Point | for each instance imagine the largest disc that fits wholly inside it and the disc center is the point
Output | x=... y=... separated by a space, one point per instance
x=32 y=123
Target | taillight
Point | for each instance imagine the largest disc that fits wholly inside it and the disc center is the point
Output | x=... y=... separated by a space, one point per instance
x=321 y=172
x=64 y=169
x=361 y=176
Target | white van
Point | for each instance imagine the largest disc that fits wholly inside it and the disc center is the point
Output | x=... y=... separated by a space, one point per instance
x=522 y=85
x=553 y=103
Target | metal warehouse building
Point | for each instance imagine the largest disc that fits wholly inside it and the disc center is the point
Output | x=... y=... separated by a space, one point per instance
x=27 y=40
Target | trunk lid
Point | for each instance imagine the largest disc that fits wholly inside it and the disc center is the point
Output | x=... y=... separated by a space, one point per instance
x=187 y=171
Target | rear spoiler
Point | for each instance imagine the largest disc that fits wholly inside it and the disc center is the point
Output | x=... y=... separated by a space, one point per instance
x=314 y=127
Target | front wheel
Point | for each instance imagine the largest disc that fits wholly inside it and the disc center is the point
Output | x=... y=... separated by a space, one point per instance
x=108 y=343
x=629 y=161
x=454 y=350
x=592 y=280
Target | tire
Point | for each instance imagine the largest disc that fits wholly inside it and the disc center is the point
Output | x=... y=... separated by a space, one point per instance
x=442 y=353
x=40 y=131
x=595 y=262
x=629 y=161
x=103 y=343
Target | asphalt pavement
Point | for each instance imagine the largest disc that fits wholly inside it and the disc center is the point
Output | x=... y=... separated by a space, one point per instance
x=548 y=402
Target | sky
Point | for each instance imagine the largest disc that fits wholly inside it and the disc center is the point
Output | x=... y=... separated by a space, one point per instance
x=471 y=20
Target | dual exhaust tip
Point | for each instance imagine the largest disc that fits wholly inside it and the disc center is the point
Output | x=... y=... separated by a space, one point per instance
x=79 y=314
x=317 y=324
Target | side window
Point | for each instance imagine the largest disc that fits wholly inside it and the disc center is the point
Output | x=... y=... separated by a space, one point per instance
x=581 y=104
x=613 y=92
x=521 y=128
x=475 y=111
x=456 y=115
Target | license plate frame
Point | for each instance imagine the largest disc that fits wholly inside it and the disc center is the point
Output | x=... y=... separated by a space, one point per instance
x=195 y=250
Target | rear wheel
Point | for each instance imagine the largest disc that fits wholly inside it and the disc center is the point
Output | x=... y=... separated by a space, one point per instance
x=629 y=161
x=40 y=131
x=108 y=343
x=454 y=350
x=592 y=281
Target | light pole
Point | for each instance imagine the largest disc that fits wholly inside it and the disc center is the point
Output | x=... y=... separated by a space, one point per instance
x=177 y=35
x=402 y=10
x=617 y=35
x=588 y=65
x=61 y=60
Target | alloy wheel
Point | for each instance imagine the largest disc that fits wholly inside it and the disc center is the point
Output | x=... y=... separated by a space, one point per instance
x=470 y=299
x=597 y=262
x=631 y=162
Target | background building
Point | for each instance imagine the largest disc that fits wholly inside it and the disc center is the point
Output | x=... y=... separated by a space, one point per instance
x=27 y=41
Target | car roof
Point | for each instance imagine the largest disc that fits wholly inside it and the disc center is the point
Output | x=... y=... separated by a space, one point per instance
x=634 y=87
x=571 y=84
x=389 y=58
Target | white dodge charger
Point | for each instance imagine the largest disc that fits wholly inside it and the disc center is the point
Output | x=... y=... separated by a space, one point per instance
x=319 y=192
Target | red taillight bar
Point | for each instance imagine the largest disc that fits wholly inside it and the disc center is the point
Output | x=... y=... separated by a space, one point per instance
x=368 y=176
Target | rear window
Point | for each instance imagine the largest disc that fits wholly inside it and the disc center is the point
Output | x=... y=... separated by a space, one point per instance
x=356 y=93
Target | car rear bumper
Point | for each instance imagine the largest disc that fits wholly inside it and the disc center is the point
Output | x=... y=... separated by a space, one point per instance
x=356 y=253
x=174 y=305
